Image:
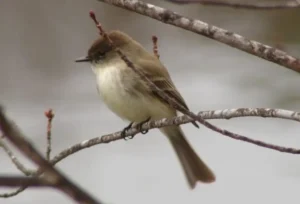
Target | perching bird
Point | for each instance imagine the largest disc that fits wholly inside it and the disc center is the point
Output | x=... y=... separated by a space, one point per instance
x=132 y=99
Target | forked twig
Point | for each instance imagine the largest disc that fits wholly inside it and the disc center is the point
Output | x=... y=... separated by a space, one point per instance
x=53 y=176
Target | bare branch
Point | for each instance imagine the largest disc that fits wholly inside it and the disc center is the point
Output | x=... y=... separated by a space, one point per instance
x=13 y=181
x=179 y=120
x=288 y=4
x=19 y=166
x=11 y=132
x=232 y=39
x=13 y=193
x=14 y=159
x=49 y=114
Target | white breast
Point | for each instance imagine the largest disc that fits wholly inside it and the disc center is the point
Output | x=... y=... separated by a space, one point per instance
x=110 y=81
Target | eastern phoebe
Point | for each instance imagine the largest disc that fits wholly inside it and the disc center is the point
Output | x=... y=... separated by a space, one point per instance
x=131 y=98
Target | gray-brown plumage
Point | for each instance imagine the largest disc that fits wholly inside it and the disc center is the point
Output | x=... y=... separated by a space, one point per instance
x=132 y=99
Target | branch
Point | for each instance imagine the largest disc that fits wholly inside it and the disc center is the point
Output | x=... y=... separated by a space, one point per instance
x=14 y=159
x=245 y=5
x=224 y=36
x=11 y=132
x=14 y=193
x=13 y=181
x=19 y=166
x=179 y=120
x=49 y=114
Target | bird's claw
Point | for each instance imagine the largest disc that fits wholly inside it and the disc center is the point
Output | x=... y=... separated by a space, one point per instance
x=139 y=125
x=123 y=133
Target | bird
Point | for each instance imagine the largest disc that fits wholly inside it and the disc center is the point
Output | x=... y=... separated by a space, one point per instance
x=131 y=98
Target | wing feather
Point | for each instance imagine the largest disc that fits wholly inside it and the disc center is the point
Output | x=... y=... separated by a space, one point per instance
x=161 y=78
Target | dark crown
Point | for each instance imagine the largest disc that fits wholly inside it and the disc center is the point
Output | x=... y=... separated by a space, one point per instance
x=102 y=46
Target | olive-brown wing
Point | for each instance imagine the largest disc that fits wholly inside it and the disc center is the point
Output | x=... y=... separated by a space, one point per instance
x=159 y=75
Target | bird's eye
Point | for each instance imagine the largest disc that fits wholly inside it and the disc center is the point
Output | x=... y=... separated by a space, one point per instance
x=99 y=57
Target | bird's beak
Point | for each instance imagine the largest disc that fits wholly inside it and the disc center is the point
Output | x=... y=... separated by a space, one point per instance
x=83 y=59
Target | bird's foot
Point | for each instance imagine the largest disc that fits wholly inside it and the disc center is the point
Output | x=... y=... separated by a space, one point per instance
x=123 y=133
x=139 y=125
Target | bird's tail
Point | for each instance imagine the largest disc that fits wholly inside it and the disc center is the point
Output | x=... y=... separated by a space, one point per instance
x=195 y=169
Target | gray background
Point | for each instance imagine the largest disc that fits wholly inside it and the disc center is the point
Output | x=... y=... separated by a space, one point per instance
x=39 y=42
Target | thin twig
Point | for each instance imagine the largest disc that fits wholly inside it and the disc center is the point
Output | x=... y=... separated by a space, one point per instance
x=14 y=159
x=13 y=193
x=227 y=37
x=155 y=47
x=92 y=15
x=49 y=115
x=15 y=181
x=19 y=166
x=53 y=176
x=264 y=5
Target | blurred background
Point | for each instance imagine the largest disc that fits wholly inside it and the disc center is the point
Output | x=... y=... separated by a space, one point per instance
x=39 y=42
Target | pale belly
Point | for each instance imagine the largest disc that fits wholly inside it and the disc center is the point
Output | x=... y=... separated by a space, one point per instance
x=134 y=108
